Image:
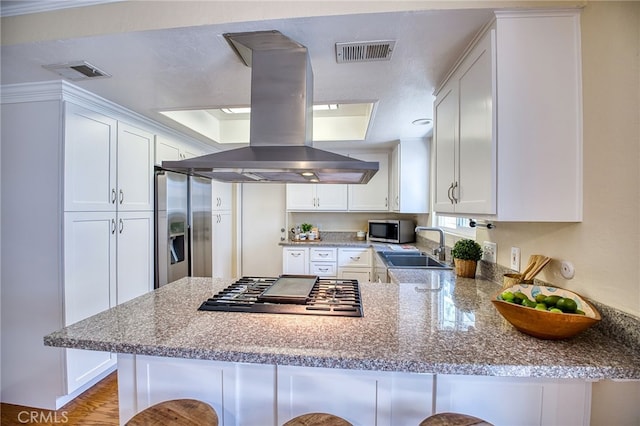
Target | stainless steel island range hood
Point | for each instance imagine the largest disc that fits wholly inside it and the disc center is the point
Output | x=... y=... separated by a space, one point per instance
x=281 y=123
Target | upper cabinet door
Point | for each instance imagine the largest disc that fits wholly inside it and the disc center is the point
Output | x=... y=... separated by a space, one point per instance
x=331 y=197
x=167 y=150
x=135 y=168
x=89 y=150
x=476 y=168
x=222 y=196
x=446 y=139
x=373 y=196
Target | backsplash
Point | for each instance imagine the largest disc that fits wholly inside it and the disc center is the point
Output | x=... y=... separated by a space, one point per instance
x=624 y=326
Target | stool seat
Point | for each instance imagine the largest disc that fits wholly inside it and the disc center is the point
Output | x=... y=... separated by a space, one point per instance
x=317 y=419
x=178 y=412
x=453 y=419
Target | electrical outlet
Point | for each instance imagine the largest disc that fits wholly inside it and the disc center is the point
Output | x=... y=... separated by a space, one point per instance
x=515 y=258
x=489 y=252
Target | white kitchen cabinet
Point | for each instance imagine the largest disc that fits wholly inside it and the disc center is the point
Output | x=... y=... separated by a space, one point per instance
x=295 y=260
x=508 y=138
x=90 y=146
x=361 y=397
x=373 y=196
x=409 y=176
x=89 y=263
x=135 y=233
x=98 y=276
x=222 y=195
x=241 y=394
x=323 y=261
x=107 y=163
x=223 y=246
x=321 y=197
x=465 y=170
x=90 y=285
x=222 y=223
x=135 y=169
x=72 y=216
x=168 y=149
x=355 y=263
x=538 y=401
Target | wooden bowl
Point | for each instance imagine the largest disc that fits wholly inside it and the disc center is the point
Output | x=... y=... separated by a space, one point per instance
x=544 y=324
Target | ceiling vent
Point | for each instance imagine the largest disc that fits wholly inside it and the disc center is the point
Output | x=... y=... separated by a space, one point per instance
x=364 y=51
x=76 y=71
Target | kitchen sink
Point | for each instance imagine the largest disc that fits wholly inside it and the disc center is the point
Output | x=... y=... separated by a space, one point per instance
x=415 y=260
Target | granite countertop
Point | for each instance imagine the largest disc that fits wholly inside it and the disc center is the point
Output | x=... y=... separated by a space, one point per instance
x=436 y=324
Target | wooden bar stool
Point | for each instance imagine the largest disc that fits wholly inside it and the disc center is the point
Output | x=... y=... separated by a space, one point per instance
x=453 y=419
x=317 y=419
x=178 y=412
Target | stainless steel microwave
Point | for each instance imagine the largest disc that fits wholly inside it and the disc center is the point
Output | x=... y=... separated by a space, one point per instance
x=392 y=231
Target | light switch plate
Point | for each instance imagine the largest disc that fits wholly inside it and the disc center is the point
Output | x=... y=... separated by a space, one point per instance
x=489 y=252
x=515 y=258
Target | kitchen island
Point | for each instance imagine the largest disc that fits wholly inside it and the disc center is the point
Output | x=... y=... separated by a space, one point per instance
x=420 y=347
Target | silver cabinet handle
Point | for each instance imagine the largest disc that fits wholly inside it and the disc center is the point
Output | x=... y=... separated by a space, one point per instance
x=121 y=226
x=295 y=254
x=355 y=257
x=323 y=254
x=113 y=196
x=453 y=189
x=113 y=226
x=121 y=196
x=449 y=193
x=323 y=269
x=386 y=201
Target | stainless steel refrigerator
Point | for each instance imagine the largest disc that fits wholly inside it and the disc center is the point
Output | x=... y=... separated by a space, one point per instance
x=183 y=227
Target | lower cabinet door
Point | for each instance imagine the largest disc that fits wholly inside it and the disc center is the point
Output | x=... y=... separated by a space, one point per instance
x=222 y=253
x=295 y=260
x=360 y=397
x=494 y=399
x=135 y=254
x=360 y=274
x=241 y=394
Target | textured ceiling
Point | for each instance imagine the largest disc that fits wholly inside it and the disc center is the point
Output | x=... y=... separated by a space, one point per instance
x=193 y=66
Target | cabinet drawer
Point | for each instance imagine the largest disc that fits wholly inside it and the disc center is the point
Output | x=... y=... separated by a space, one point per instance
x=323 y=269
x=322 y=254
x=354 y=257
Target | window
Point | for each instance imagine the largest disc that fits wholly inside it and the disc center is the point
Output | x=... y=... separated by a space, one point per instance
x=455 y=225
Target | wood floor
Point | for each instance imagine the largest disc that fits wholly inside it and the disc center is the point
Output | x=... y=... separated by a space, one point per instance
x=97 y=406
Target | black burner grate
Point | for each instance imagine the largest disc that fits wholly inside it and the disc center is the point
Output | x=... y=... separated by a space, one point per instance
x=335 y=297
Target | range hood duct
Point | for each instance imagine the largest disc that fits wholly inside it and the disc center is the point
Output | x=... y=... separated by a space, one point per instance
x=280 y=142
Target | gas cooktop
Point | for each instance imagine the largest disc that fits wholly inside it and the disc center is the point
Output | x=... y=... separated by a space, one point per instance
x=289 y=294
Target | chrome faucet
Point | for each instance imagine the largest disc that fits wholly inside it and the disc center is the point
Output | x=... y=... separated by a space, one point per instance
x=440 y=251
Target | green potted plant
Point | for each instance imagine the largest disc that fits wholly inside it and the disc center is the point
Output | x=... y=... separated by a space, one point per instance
x=306 y=228
x=466 y=254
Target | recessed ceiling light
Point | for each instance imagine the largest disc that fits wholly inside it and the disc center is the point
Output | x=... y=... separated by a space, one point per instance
x=422 y=121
